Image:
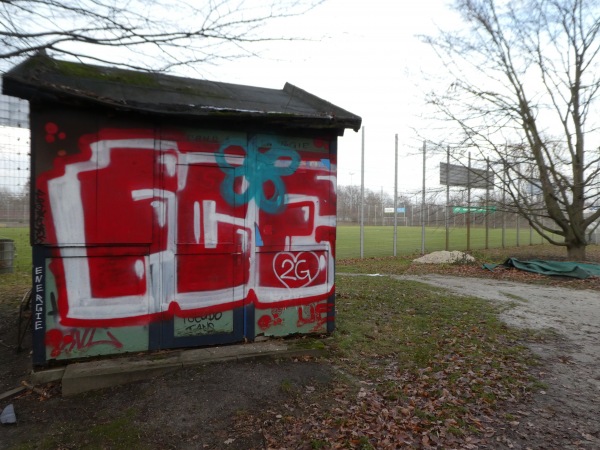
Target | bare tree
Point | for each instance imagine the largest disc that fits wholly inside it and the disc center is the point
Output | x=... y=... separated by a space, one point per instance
x=141 y=34
x=524 y=93
x=349 y=201
x=14 y=206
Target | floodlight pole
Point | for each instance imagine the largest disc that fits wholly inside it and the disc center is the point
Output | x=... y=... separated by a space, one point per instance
x=396 y=198
x=487 y=204
x=503 y=204
x=469 y=205
x=423 y=202
x=447 y=215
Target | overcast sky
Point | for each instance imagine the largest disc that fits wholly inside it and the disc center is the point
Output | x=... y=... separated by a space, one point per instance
x=366 y=58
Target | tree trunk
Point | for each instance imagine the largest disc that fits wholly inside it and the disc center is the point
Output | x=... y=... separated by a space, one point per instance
x=576 y=251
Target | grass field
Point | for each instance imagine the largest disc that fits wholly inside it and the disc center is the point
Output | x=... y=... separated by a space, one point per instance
x=22 y=257
x=379 y=241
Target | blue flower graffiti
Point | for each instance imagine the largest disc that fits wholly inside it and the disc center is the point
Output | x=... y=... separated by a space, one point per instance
x=259 y=167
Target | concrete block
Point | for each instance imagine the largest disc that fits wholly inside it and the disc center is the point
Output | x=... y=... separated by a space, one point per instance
x=47 y=375
x=82 y=377
x=197 y=357
x=86 y=376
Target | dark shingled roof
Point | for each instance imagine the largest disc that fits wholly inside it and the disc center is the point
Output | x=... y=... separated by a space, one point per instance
x=41 y=78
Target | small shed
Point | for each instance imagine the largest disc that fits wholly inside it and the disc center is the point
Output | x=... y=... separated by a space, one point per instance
x=174 y=212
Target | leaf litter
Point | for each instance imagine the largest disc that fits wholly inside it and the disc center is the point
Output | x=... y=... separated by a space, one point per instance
x=439 y=374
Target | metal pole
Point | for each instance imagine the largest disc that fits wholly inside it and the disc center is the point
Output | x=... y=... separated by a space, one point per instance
x=396 y=198
x=447 y=216
x=423 y=202
x=362 y=196
x=529 y=223
x=469 y=205
x=381 y=204
x=487 y=204
x=504 y=206
x=530 y=235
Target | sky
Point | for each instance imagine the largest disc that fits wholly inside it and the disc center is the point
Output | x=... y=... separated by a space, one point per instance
x=367 y=58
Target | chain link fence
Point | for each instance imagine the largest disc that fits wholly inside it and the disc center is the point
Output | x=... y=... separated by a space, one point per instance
x=14 y=162
x=15 y=255
x=419 y=227
x=431 y=225
x=458 y=207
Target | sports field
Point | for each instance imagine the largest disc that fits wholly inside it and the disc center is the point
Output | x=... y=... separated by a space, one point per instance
x=379 y=241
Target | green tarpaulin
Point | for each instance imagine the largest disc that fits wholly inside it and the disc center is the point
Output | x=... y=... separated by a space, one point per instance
x=560 y=268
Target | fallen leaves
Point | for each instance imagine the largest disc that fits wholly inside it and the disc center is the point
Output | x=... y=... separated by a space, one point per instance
x=433 y=378
x=428 y=412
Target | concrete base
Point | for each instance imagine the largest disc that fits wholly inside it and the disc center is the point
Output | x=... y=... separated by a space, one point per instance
x=85 y=376
x=47 y=375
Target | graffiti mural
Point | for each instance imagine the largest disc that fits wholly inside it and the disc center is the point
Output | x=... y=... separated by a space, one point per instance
x=150 y=238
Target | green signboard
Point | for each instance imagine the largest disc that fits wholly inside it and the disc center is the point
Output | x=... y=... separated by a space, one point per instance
x=473 y=210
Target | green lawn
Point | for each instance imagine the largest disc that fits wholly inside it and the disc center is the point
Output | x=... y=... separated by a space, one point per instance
x=379 y=240
x=22 y=258
x=14 y=285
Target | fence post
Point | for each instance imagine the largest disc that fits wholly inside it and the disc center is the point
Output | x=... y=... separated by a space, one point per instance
x=468 y=215
x=447 y=215
x=362 y=196
x=487 y=204
x=396 y=198
x=504 y=208
x=423 y=203
x=530 y=235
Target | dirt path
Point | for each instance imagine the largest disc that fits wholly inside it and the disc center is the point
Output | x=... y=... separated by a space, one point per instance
x=564 y=414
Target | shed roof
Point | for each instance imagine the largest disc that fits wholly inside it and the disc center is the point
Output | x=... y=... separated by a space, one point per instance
x=41 y=78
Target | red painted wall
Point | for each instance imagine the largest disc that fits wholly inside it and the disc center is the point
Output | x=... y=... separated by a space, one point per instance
x=155 y=237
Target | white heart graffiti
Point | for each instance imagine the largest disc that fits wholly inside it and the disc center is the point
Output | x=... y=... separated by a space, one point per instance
x=296 y=270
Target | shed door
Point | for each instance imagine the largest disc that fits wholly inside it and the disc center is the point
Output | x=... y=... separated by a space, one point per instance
x=210 y=272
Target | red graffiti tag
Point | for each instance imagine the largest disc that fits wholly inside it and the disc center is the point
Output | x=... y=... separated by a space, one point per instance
x=52 y=132
x=268 y=321
x=318 y=315
x=296 y=270
x=75 y=340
